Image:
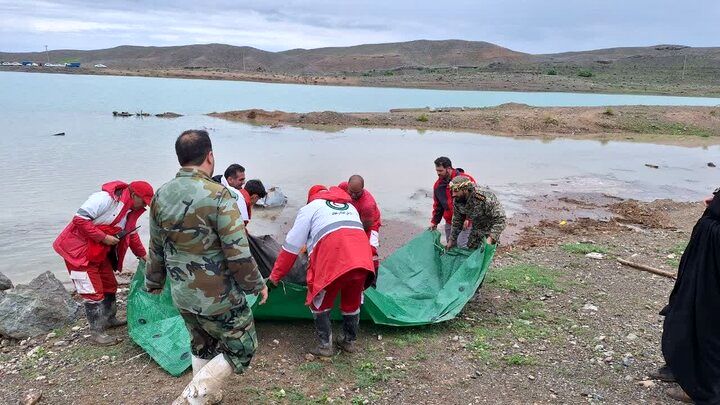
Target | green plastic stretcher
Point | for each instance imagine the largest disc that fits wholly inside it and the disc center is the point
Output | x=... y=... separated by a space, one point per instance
x=418 y=284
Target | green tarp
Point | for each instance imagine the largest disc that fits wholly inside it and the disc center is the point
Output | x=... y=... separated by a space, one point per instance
x=418 y=284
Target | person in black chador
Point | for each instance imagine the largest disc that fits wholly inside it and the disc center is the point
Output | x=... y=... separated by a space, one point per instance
x=691 y=333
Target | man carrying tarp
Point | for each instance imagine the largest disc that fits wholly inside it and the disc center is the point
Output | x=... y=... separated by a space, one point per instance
x=340 y=262
x=443 y=201
x=481 y=207
x=368 y=209
x=691 y=332
x=197 y=238
x=94 y=245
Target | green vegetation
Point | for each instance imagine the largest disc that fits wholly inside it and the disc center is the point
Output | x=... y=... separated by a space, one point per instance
x=583 y=248
x=523 y=277
x=643 y=125
x=551 y=72
x=677 y=250
x=550 y=120
x=585 y=73
x=389 y=73
x=423 y=118
x=609 y=112
x=520 y=360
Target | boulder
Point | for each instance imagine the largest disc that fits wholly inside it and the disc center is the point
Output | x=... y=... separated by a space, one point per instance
x=36 y=308
x=5 y=283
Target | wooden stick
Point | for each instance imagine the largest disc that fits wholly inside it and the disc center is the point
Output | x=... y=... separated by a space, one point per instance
x=647 y=268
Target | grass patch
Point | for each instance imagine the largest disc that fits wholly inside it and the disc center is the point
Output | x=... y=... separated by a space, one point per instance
x=310 y=367
x=583 y=248
x=551 y=72
x=585 y=73
x=368 y=374
x=677 y=250
x=408 y=339
x=647 y=126
x=609 y=112
x=422 y=118
x=519 y=360
x=523 y=277
x=550 y=120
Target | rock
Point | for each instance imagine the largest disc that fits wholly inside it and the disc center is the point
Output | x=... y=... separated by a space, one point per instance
x=711 y=164
x=60 y=343
x=31 y=397
x=36 y=308
x=309 y=357
x=646 y=383
x=628 y=360
x=595 y=255
x=531 y=377
x=631 y=336
x=590 y=307
x=34 y=351
x=105 y=358
x=5 y=283
x=75 y=328
x=50 y=335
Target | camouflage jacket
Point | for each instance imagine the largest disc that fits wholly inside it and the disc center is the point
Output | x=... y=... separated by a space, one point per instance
x=486 y=213
x=198 y=239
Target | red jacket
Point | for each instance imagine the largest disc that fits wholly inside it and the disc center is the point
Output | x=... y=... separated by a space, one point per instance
x=331 y=229
x=80 y=242
x=367 y=208
x=442 y=197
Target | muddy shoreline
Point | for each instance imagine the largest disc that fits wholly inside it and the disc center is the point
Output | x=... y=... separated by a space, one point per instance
x=519 y=81
x=551 y=325
x=688 y=126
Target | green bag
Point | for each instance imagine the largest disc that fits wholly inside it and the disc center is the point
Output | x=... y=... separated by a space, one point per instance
x=156 y=325
x=418 y=284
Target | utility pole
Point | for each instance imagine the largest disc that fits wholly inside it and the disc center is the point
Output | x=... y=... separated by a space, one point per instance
x=684 y=66
x=47 y=54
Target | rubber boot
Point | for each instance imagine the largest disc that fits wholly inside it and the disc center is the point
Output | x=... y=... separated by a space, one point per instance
x=663 y=374
x=351 y=324
x=197 y=364
x=110 y=303
x=323 y=328
x=206 y=385
x=95 y=312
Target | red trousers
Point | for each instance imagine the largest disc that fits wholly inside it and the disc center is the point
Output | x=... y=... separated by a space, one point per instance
x=92 y=282
x=350 y=286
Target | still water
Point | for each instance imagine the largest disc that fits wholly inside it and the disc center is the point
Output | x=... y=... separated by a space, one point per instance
x=43 y=92
x=46 y=178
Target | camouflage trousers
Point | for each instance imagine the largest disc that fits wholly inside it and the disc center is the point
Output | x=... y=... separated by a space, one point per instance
x=231 y=334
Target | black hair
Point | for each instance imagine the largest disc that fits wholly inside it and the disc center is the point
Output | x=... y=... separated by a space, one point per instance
x=359 y=177
x=192 y=147
x=233 y=169
x=255 y=187
x=443 y=161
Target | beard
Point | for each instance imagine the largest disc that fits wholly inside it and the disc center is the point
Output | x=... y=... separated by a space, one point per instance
x=461 y=200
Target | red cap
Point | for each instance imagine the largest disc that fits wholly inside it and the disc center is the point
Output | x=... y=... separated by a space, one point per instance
x=315 y=189
x=143 y=190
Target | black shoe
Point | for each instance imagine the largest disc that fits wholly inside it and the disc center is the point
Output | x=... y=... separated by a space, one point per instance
x=663 y=374
x=351 y=324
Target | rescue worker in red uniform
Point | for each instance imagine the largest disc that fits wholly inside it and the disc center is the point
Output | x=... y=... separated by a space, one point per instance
x=367 y=207
x=340 y=263
x=443 y=200
x=94 y=244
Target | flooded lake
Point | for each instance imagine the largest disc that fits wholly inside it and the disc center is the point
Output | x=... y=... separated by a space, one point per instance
x=46 y=178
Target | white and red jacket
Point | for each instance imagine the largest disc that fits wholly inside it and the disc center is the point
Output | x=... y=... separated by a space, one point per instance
x=105 y=212
x=329 y=226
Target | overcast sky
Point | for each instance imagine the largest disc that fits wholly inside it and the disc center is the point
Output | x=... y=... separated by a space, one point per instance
x=535 y=26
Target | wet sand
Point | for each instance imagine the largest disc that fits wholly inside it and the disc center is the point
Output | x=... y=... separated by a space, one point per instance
x=686 y=126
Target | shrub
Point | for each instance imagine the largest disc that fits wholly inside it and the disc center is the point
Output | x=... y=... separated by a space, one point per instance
x=585 y=73
x=609 y=112
x=551 y=72
x=423 y=118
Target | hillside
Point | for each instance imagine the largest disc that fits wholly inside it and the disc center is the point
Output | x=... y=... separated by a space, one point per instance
x=455 y=64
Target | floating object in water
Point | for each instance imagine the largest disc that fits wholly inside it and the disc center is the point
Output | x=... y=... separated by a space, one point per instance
x=711 y=164
x=59 y=134
x=652 y=166
x=121 y=114
x=168 y=114
x=142 y=114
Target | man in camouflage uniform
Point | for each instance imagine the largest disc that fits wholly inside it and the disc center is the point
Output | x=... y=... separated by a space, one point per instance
x=480 y=206
x=197 y=238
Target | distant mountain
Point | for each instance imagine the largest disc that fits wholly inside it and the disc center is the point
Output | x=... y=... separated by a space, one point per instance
x=361 y=58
